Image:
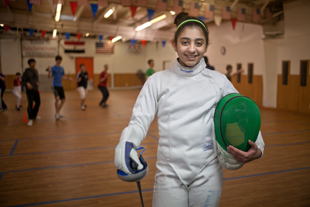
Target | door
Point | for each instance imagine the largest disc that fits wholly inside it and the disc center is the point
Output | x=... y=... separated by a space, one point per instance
x=88 y=62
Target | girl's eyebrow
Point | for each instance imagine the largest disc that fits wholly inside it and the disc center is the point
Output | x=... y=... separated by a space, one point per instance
x=187 y=38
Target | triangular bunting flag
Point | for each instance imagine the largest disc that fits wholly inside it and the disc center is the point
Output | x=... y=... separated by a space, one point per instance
x=31 y=32
x=132 y=41
x=43 y=32
x=67 y=35
x=100 y=38
x=94 y=9
x=6 y=27
x=29 y=5
x=143 y=42
x=150 y=13
x=164 y=43
x=111 y=38
x=79 y=35
x=202 y=18
x=73 y=6
x=233 y=22
x=133 y=10
x=6 y=2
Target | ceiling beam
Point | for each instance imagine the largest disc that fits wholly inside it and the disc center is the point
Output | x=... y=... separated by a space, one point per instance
x=233 y=4
x=52 y=6
x=78 y=13
x=262 y=9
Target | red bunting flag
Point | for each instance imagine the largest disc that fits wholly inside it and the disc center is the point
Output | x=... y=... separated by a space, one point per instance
x=6 y=2
x=73 y=7
x=6 y=27
x=103 y=3
x=43 y=32
x=233 y=22
x=79 y=35
x=111 y=38
x=133 y=10
x=143 y=42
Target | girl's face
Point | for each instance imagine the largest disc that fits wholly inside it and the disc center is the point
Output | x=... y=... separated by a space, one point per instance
x=191 y=46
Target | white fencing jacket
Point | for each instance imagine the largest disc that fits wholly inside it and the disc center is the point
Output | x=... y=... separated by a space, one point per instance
x=184 y=100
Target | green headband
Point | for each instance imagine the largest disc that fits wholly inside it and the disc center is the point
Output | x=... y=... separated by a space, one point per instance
x=193 y=20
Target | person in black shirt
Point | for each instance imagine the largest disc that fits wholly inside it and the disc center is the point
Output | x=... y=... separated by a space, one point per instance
x=30 y=80
x=82 y=81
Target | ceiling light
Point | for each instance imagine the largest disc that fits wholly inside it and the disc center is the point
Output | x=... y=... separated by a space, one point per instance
x=1 y=25
x=147 y=24
x=109 y=13
x=58 y=11
x=116 y=39
x=54 y=33
x=172 y=12
x=87 y=34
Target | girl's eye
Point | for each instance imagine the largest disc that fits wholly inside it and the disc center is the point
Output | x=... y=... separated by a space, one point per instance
x=185 y=43
x=199 y=44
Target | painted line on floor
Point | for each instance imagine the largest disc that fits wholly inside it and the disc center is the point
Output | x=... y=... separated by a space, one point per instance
x=152 y=136
x=148 y=190
x=117 y=114
x=14 y=147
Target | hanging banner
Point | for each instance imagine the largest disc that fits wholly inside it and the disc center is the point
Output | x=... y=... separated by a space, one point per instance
x=43 y=32
x=78 y=35
x=29 y=5
x=73 y=6
x=100 y=38
x=150 y=13
x=133 y=10
x=31 y=32
x=233 y=22
x=39 y=48
x=94 y=9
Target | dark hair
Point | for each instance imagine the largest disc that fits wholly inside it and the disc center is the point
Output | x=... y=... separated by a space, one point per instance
x=206 y=59
x=31 y=60
x=81 y=65
x=58 y=57
x=181 y=17
x=18 y=73
x=228 y=67
x=149 y=61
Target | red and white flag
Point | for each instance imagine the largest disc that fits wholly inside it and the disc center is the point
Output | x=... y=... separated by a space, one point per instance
x=209 y=11
x=82 y=2
x=256 y=15
x=103 y=3
x=241 y=14
x=125 y=2
x=194 y=9
x=226 y=12
x=141 y=2
x=161 y=5
x=59 y=2
x=178 y=6
x=36 y=2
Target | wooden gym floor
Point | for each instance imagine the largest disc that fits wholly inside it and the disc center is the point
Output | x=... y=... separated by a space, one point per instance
x=70 y=162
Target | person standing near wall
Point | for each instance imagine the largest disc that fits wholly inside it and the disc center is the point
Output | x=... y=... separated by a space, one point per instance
x=17 y=90
x=31 y=82
x=102 y=86
x=150 y=71
x=57 y=73
x=229 y=73
x=2 y=89
x=82 y=80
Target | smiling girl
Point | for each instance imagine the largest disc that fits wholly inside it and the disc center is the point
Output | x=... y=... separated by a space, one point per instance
x=184 y=99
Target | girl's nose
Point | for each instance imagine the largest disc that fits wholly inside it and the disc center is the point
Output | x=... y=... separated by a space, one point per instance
x=191 y=48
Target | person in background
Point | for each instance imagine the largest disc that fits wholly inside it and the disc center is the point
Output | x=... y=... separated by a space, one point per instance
x=208 y=64
x=57 y=73
x=30 y=80
x=82 y=80
x=102 y=86
x=2 y=89
x=150 y=71
x=229 y=73
x=17 y=90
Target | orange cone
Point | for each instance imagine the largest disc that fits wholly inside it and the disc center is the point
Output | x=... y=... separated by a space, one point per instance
x=25 y=119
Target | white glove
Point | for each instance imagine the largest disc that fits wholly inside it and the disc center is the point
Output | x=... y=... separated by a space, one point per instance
x=125 y=154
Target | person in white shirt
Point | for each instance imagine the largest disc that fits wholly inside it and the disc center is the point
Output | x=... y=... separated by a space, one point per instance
x=184 y=99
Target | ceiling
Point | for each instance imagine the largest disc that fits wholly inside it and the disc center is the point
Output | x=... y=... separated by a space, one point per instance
x=42 y=17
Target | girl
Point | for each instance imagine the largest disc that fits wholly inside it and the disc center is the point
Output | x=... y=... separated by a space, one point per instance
x=17 y=90
x=184 y=99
